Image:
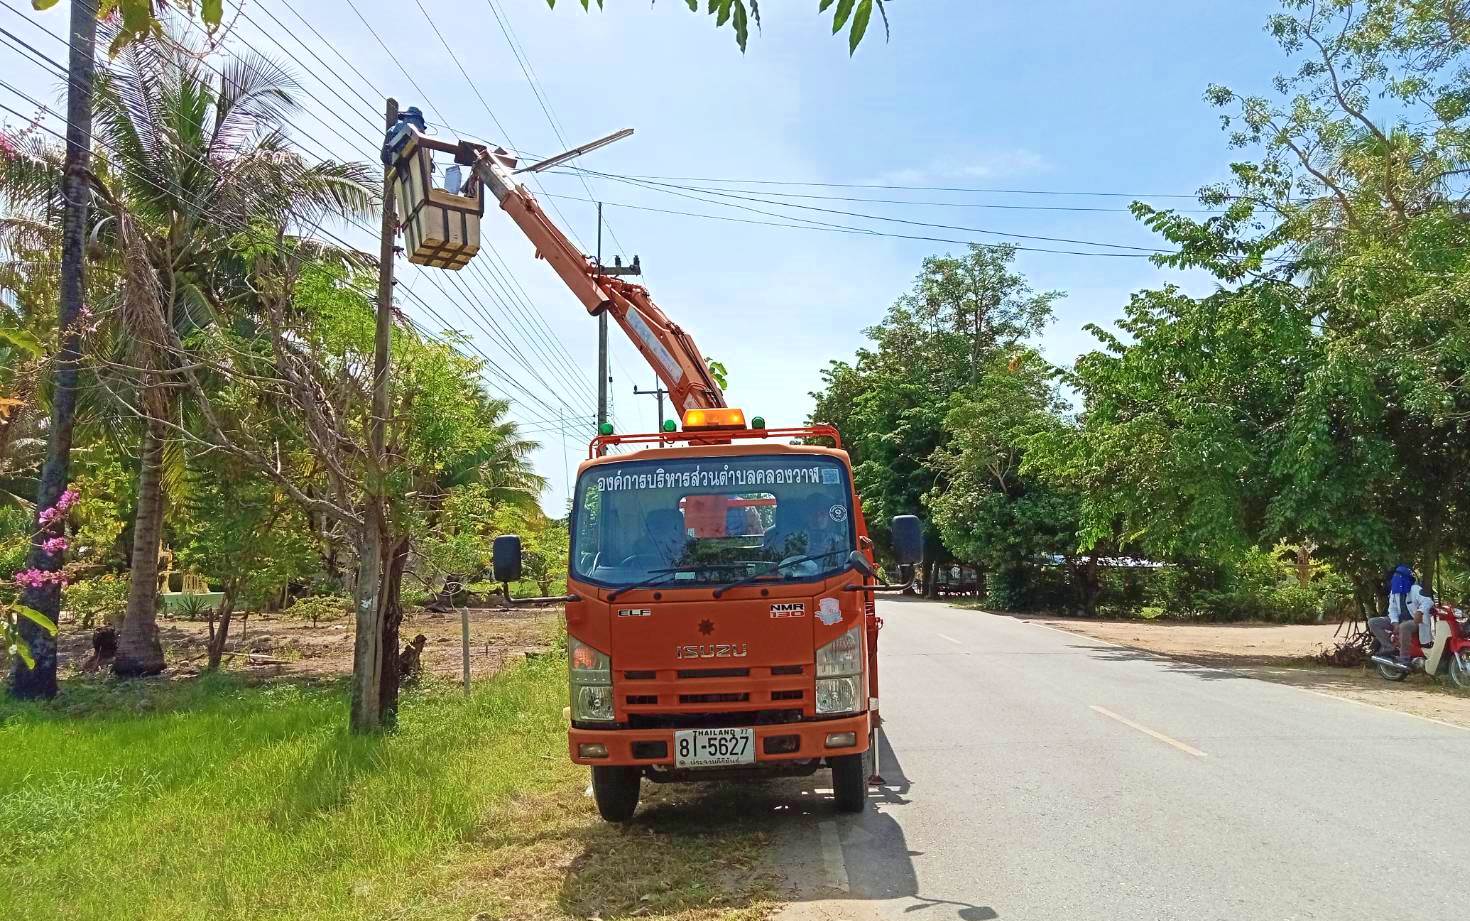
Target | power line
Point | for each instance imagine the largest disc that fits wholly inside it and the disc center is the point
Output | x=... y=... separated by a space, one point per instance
x=864 y=231
x=369 y=104
x=523 y=360
x=675 y=190
x=476 y=90
x=490 y=363
x=927 y=203
x=528 y=70
x=510 y=310
x=420 y=89
x=914 y=188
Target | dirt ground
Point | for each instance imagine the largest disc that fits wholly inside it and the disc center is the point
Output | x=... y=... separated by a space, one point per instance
x=1280 y=653
x=272 y=645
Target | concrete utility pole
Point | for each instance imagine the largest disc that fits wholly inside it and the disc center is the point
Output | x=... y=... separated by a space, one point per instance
x=617 y=268
x=369 y=656
x=657 y=391
x=602 y=380
x=56 y=473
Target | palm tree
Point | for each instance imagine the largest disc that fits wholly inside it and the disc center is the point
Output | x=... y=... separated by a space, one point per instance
x=203 y=158
x=196 y=159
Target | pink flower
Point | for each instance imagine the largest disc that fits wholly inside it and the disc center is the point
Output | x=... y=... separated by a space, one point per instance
x=57 y=512
x=54 y=545
x=38 y=578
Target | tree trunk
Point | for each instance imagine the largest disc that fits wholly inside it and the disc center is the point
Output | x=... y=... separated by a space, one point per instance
x=40 y=681
x=139 y=651
x=930 y=589
x=367 y=649
x=217 y=640
x=1090 y=586
x=392 y=618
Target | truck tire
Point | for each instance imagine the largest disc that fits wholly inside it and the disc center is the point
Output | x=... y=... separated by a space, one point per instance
x=616 y=791
x=849 y=785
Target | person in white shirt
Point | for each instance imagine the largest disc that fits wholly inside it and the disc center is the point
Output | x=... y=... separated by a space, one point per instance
x=1420 y=619
x=1414 y=615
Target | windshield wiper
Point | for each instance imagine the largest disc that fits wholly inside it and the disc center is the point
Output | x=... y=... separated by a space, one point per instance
x=659 y=575
x=776 y=567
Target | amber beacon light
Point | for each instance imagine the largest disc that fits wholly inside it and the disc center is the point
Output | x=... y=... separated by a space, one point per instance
x=724 y=417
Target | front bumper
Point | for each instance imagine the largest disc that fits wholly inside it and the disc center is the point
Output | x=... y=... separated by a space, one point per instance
x=637 y=746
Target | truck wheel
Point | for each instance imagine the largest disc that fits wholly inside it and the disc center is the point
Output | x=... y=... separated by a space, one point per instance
x=849 y=786
x=616 y=790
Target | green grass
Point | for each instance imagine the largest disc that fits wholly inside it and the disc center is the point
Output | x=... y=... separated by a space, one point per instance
x=221 y=800
x=214 y=799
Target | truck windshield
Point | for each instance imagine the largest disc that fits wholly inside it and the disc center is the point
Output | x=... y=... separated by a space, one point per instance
x=694 y=520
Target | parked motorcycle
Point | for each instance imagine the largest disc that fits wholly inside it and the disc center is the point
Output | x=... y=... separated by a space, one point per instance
x=1448 y=656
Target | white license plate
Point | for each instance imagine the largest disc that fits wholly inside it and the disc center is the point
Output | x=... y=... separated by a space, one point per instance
x=714 y=747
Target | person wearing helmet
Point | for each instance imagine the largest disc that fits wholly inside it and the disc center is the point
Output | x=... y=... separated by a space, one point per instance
x=1400 y=583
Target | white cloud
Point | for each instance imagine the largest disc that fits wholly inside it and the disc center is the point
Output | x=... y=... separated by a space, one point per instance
x=1000 y=164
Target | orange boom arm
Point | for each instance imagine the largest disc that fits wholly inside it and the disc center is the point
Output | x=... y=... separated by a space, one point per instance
x=667 y=348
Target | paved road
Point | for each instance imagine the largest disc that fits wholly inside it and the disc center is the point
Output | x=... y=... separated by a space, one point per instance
x=1034 y=774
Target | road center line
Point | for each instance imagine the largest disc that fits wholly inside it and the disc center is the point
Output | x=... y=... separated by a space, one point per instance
x=950 y=638
x=1149 y=732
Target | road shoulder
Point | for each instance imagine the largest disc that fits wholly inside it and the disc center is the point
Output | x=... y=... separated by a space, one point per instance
x=1271 y=653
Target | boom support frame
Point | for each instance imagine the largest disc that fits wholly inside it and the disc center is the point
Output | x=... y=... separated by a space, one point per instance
x=667 y=348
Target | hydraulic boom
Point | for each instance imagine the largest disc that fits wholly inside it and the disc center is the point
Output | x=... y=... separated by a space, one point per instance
x=667 y=347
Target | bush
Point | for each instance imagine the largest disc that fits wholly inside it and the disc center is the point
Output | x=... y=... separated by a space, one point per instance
x=102 y=600
x=1006 y=589
x=194 y=607
x=316 y=608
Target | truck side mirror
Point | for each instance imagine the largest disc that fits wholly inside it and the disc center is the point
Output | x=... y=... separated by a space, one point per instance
x=505 y=557
x=908 y=539
x=859 y=560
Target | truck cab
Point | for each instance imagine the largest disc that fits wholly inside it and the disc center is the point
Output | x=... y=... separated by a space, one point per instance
x=720 y=617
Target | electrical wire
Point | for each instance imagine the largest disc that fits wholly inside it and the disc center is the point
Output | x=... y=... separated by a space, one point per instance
x=926 y=203
x=528 y=70
x=863 y=231
x=913 y=188
x=694 y=193
x=559 y=363
x=425 y=96
x=490 y=363
x=478 y=95
x=482 y=328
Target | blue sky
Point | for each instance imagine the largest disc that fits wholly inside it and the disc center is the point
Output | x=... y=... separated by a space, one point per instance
x=1067 y=96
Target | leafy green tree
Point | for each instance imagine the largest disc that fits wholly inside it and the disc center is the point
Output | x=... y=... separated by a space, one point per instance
x=246 y=536
x=854 y=15
x=987 y=509
x=891 y=403
x=1319 y=396
x=199 y=155
x=141 y=19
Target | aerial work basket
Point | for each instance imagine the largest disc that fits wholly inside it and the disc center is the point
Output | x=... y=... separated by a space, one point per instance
x=441 y=227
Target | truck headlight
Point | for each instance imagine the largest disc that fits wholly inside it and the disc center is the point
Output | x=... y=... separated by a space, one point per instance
x=842 y=656
x=839 y=695
x=592 y=702
x=591 y=679
x=840 y=674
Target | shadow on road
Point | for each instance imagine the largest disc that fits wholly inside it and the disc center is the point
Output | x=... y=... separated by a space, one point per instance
x=743 y=845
